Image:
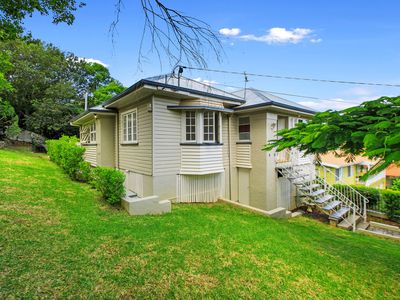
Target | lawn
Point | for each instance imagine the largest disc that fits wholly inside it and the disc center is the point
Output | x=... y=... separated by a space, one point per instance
x=59 y=240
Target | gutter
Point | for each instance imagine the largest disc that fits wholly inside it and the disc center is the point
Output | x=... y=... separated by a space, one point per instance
x=277 y=104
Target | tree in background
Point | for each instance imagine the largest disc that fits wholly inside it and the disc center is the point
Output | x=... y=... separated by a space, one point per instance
x=8 y=117
x=106 y=92
x=371 y=129
x=49 y=85
x=13 y=14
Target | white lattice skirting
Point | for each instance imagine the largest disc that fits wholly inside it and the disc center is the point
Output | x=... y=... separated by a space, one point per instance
x=199 y=188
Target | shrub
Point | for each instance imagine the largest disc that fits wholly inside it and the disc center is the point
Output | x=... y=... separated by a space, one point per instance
x=391 y=199
x=84 y=173
x=110 y=182
x=395 y=185
x=372 y=194
x=69 y=156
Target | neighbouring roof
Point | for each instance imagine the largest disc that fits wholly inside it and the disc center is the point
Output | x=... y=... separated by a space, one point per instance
x=257 y=98
x=331 y=160
x=393 y=171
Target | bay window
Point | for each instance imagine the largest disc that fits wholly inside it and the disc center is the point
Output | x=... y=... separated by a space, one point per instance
x=190 y=126
x=209 y=126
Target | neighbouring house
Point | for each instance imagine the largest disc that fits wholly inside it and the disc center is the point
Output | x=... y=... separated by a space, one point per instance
x=340 y=170
x=392 y=173
x=186 y=141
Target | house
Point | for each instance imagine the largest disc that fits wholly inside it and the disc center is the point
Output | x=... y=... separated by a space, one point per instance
x=340 y=170
x=186 y=141
x=392 y=173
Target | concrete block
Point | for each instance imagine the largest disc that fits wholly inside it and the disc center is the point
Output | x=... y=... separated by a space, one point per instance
x=146 y=206
x=279 y=213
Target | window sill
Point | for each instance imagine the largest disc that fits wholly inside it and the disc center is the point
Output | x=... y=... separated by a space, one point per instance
x=129 y=144
x=244 y=142
x=201 y=144
x=88 y=144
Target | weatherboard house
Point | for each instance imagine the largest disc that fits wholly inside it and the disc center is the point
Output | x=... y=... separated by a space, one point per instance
x=185 y=141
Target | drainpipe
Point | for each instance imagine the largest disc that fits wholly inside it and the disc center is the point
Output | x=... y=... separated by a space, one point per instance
x=229 y=157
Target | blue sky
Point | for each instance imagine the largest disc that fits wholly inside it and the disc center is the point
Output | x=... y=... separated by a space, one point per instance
x=341 y=40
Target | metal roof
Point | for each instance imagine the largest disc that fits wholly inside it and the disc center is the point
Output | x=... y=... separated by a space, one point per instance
x=257 y=98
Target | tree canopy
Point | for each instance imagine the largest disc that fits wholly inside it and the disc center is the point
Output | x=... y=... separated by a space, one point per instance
x=48 y=85
x=371 y=129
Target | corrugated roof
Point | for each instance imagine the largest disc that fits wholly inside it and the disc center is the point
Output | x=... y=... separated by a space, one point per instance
x=184 y=82
x=331 y=160
x=256 y=98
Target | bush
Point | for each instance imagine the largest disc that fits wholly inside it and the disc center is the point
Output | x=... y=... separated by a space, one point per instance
x=372 y=194
x=69 y=156
x=110 y=182
x=8 y=120
x=84 y=173
x=391 y=199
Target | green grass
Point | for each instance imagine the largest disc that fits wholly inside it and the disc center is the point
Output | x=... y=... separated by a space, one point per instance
x=59 y=240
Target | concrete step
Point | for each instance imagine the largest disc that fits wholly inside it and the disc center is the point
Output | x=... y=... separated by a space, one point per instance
x=363 y=225
x=332 y=205
x=317 y=193
x=324 y=199
x=340 y=213
x=347 y=223
x=151 y=205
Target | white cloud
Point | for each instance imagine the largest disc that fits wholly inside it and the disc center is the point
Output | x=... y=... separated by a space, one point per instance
x=316 y=41
x=335 y=103
x=229 y=31
x=93 y=60
x=279 y=35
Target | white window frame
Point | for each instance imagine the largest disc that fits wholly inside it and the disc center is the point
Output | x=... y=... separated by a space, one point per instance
x=129 y=133
x=192 y=126
x=349 y=171
x=338 y=176
x=242 y=117
x=92 y=133
x=210 y=127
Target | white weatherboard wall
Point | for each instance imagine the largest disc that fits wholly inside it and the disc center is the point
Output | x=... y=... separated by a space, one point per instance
x=243 y=155
x=199 y=188
x=201 y=159
x=166 y=147
x=91 y=154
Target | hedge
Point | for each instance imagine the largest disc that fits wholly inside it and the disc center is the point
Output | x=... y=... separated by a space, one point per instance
x=66 y=153
x=388 y=200
x=391 y=200
x=110 y=182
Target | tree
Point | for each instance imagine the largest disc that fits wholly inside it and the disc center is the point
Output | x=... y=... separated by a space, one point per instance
x=106 y=92
x=49 y=85
x=184 y=39
x=371 y=129
x=8 y=120
x=13 y=13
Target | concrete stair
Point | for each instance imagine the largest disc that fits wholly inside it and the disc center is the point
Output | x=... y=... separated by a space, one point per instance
x=151 y=205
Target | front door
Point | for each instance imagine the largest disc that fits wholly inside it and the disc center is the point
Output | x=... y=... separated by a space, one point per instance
x=244 y=185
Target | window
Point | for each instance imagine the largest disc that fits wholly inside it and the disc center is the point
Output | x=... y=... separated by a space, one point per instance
x=350 y=171
x=209 y=126
x=129 y=127
x=244 y=128
x=338 y=174
x=190 y=126
x=92 y=132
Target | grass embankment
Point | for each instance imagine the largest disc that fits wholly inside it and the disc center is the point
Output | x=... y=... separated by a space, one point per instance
x=59 y=240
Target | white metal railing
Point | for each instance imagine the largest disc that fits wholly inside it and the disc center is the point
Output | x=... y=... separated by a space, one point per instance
x=293 y=156
x=352 y=194
x=348 y=196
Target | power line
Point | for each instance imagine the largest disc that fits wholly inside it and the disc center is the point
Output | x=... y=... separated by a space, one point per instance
x=293 y=95
x=294 y=78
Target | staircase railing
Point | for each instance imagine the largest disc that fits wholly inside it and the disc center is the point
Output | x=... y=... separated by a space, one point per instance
x=310 y=173
x=359 y=200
